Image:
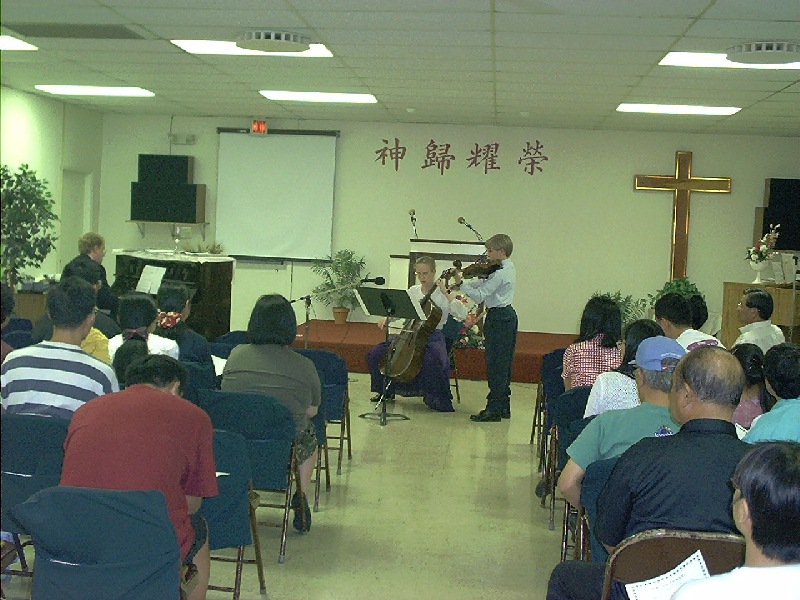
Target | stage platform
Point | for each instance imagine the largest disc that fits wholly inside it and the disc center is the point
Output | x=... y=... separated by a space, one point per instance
x=352 y=340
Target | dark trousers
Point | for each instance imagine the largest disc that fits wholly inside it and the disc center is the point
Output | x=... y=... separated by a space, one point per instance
x=580 y=580
x=500 y=333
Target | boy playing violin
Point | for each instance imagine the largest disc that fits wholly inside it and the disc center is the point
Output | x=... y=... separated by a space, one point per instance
x=500 y=327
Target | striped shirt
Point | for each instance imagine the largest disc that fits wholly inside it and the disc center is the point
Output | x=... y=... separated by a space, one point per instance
x=53 y=379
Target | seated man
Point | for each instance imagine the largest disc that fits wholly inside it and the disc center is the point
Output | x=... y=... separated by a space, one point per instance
x=54 y=378
x=674 y=314
x=766 y=510
x=433 y=380
x=680 y=481
x=614 y=431
x=782 y=373
x=755 y=310
x=96 y=342
x=92 y=247
x=148 y=438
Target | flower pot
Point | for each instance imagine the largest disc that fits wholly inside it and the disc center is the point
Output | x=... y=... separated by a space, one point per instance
x=758 y=267
x=340 y=315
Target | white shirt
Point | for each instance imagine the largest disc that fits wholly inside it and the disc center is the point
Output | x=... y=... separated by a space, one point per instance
x=495 y=291
x=691 y=339
x=155 y=345
x=456 y=307
x=763 y=334
x=746 y=583
x=611 y=391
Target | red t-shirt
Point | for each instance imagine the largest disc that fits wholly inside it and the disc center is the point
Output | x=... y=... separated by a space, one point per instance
x=144 y=439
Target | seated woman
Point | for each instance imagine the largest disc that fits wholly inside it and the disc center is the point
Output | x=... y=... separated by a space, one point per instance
x=595 y=351
x=756 y=400
x=266 y=365
x=136 y=315
x=173 y=310
x=433 y=380
x=616 y=389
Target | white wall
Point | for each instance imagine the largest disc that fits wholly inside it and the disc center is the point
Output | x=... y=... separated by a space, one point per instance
x=578 y=226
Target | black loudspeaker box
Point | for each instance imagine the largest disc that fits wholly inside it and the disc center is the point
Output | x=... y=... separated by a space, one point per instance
x=165 y=168
x=168 y=202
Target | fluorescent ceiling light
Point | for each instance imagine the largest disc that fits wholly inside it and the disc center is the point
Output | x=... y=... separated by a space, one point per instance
x=230 y=48
x=281 y=95
x=710 y=59
x=8 y=42
x=678 y=109
x=92 y=90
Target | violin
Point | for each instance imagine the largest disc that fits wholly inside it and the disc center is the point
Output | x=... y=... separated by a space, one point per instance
x=480 y=269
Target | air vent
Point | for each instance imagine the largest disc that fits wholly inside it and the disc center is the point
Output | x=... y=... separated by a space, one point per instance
x=269 y=40
x=764 y=53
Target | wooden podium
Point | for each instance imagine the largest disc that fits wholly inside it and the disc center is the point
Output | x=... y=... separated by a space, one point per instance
x=208 y=278
x=785 y=315
x=444 y=252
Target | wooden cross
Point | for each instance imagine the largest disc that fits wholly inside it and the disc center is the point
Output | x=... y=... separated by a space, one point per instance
x=682 y=184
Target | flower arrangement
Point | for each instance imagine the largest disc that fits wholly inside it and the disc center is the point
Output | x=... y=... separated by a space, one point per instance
x=470 y=335
x=763 y=248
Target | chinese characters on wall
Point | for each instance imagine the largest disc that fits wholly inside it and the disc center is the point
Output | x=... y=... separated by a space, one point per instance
x=441 y=157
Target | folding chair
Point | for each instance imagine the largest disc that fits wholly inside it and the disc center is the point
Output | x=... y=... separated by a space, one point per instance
x=594 y=480
x=32 y=457
x=268 y=428
x=18 y=339
x=322 y=455
x=575 y=526
x=231 y=515
x=201 y=376
x=652 y=553
x=451 y=329
x=101 y=544
x=223 y=345
x=551 y=385
x=332 y=370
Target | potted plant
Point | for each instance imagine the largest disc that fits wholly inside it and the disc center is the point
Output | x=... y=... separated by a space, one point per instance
x=630 y=307
x=341 y=275
x=682 y=286
x=28 y=221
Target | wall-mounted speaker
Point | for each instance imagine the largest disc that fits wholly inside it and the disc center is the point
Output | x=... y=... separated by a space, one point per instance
x=168 y=202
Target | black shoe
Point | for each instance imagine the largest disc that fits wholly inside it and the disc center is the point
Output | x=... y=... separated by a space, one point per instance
x=486 y=416
x=542 y=488
x=302 y=513
x=506 y=413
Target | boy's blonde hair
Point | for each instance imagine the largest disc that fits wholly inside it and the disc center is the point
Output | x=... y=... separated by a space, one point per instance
x=502 y=242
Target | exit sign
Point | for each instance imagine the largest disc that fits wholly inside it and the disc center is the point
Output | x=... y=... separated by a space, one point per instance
x=259 y=127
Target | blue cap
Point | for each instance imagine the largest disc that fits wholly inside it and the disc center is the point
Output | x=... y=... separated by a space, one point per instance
x=658 y=353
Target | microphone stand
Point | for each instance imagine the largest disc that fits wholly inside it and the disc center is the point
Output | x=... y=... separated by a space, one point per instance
x=307 y=299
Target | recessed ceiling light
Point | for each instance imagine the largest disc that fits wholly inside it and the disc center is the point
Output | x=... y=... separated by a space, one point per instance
x=230 y=48
x=710 y=59
x=678 y=109
x=8 y=42
x=282 y=95
x=93 y=90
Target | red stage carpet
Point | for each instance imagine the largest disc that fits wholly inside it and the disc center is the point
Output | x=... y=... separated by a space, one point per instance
x=352 y=340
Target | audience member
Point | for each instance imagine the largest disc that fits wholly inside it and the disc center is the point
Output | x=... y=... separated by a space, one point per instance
x=595 y=351
x=616 y=389
x=699 y=311
x=92 y=273
x=137 y=315
x=174 y=307
x=782 y=372
x=613 y=432
x=680 y=481
x=267 y=365
x=674 y=314
x=92 y=247
x=755 y=311
x=766 y=510
x=148 y=438
x=6 y=310
x=756 y=400
x=55 y=378
x=433 y=380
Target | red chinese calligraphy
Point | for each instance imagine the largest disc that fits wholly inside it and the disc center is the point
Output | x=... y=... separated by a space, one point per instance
x=394 y=153
x=532 y=157
x=486 y=155
x=438 y=155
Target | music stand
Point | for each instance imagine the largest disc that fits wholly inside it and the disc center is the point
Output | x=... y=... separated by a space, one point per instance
x=394 y=304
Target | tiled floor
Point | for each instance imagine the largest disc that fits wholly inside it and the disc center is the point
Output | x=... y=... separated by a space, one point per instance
x=436 y=507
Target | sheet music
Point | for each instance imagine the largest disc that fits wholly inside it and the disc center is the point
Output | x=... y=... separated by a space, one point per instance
x=219 y=364
x=150 y=279
x=663 y=586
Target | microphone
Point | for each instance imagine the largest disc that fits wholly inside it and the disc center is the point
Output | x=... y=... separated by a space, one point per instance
x=375 y=280
x=413 y=214
x=463 y=221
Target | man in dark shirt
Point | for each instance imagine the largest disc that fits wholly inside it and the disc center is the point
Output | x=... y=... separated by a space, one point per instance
x=92 y=247
x=676 y=482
